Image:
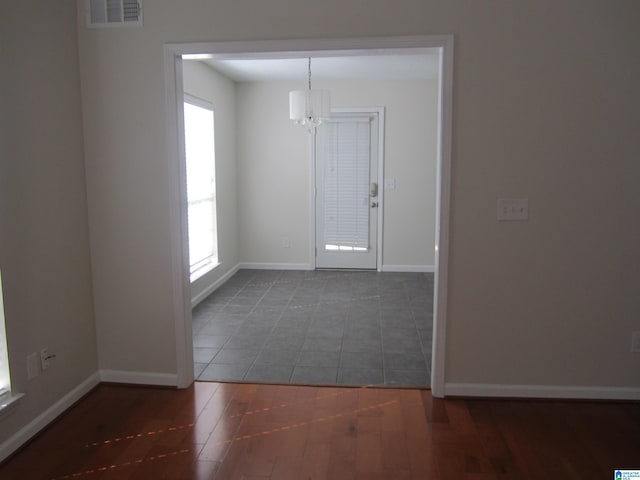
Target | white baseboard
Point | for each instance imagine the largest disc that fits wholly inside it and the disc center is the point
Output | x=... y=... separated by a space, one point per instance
x=214 y=286
x=409 y=268
x=276 y=266
x=540 y=391
x=139 y=378
x=23 y=435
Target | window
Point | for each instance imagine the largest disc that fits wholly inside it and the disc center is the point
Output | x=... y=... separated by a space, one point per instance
x=5 y=380
x=201 y=186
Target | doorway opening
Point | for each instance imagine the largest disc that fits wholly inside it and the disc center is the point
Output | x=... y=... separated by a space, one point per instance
x=295 y=49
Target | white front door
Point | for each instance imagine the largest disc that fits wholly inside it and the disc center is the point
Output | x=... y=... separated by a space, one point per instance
x=347 y=191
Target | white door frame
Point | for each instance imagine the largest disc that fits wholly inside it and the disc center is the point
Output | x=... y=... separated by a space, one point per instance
x=380 y=173
x=296 y=48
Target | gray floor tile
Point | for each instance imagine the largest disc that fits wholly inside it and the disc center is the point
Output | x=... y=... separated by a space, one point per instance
x=198 y=368
x=269 y=374
x=362 y=345
x=216 y=330
x=288 y=331
x=298 y=322
x=268 y=322
x=238 y=309
x=236 y=356
x=315 y=375
x=319 y=359
x=322 y=344
x=364 y=360
x=326 y=332
x=277 y=357
x=363 y=333
x=216 y=372
x=404 y=361
x=358 y=376
x=204 y=355
x=252 y=331
x=284 y=343
x=402 y=345
x=399 y=322
x=210 y=341
x=243 y=341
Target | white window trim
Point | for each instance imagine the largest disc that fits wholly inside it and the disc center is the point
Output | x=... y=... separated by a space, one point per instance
x=9 y=403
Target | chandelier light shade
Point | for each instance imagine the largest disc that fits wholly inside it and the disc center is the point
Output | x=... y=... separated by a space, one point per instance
x=309 y=107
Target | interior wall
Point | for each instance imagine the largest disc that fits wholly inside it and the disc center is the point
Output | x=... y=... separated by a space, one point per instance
x=273 y=178
x=545 y=104
x=44 y=243
x=274 y=165
x=207 y=84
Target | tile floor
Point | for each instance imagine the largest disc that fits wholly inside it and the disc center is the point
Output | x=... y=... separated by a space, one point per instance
x=317 y=328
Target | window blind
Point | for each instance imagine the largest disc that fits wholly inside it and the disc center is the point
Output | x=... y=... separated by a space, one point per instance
x=346 y=183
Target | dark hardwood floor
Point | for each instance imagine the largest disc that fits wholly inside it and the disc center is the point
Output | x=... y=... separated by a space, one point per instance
x=246 y=431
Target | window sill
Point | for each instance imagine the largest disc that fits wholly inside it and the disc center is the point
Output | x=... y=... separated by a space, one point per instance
x=202 y=271
x=8 y=403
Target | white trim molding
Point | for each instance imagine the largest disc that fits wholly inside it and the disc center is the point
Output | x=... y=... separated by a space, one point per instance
x=569 y=392
x=275 y=266
x=18 y=439
x=409 y=268
x=139 y=378
x=295 y=48
x=214 y=286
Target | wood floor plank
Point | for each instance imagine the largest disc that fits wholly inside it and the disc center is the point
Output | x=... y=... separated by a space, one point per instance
x=236 y=431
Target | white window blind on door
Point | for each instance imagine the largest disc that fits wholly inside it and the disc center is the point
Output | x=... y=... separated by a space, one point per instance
x=346 y=183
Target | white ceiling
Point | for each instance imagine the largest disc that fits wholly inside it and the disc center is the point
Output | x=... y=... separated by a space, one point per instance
x=418 y=65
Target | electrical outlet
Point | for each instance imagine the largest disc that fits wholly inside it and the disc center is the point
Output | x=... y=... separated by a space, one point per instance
x=635 y=342
x=44 y=358
x=285 y=242
x=32 y=366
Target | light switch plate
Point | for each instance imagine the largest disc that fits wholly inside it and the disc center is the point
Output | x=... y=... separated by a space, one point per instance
x=389 y=183
x=513 y=209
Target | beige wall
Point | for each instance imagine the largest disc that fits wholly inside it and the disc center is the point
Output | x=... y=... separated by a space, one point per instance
x=545 y=106
x=273 y=177
x=44 y=244
x=207 y=84
x=274 y=167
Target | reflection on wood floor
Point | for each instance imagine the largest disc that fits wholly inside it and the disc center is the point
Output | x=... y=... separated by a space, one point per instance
x=246 y=431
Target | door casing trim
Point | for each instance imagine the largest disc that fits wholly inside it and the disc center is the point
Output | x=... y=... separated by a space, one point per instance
x=380 y=111
x=305 y=47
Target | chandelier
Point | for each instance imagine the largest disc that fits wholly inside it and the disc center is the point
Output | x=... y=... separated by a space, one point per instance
x=309 y=107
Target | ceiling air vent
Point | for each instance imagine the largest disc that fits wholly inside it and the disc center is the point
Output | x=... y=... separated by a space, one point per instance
x=114 y=13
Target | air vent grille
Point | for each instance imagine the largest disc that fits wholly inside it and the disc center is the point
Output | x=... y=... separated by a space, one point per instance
x=113 y=13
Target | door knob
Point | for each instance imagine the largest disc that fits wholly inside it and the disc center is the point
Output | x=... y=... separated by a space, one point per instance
x=374 y=204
